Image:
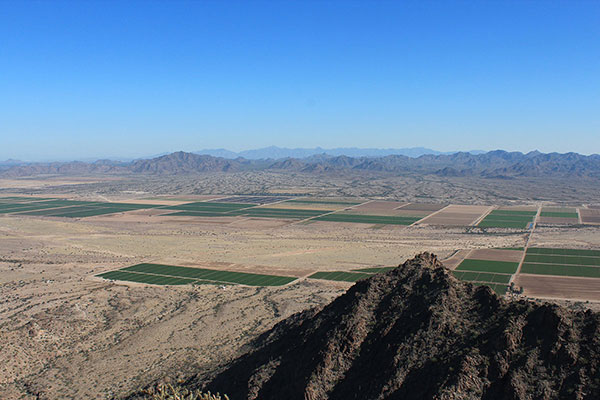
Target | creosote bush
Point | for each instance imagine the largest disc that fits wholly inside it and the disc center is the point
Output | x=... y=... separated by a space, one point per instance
x=168 y=392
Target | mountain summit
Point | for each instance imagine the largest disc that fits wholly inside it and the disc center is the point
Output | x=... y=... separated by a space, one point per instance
x=418 y=333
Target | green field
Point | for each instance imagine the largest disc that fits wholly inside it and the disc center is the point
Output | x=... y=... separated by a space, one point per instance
x=563 y=260
x=501 y=267
x=565 y=252
x=242 y=278
x=340 y=276
x=507 y=219
x=145 y=278
x=368 y=219
x=264 y=212
x=86 y=209
x=559 y=214
x=562 y=270
x=199 y=214
x=374 y=270
x=472 y=276
x=210 y=206
x=336 y=202
x=498 y=288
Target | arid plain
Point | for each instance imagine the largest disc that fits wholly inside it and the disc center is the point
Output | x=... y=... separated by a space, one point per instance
x=66 y=333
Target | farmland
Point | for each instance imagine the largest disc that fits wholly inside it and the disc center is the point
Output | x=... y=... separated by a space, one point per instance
x=124 y=273
x=159 y=274
x=562 y=262
x=508 y=219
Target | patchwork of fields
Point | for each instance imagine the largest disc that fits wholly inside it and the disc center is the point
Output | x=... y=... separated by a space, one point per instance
x=494 y=268
x=562 y=262
x=370 y=212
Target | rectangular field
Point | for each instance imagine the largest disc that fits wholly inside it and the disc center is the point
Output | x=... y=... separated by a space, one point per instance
x=242 y=278
x=342 y=203
x=456 y=215
x=564 y=252
x=367 y=219
x=252 y=199
x=340 y=276
x=486 y=277
x=559 y=287
x=518 y=219
x=562 y=262
x=562 y=259
x=497 y=255
x=210 y=206
x=285 y=213
x=545 y=220
x=501 y=267
x=427 y=207
x=590 y=216
x=560 y=270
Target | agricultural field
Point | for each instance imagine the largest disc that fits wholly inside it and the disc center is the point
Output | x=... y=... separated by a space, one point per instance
x=456 y=215
x=517 y=219
x=159 y=274
x=252 y=199
x=494 y=273
x=340 y=276
x=562 y=262
x=558 y=216
x=283 y=213
x=367 y=219
x=378 y=207
x=590 y=215
x=67 y=208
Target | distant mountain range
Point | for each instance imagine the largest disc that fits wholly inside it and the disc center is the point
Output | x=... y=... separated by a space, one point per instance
x=274 y=152
x=493 y=164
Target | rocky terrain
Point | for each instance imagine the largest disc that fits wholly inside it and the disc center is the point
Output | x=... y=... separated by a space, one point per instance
x=493 y=164
x=417 y=333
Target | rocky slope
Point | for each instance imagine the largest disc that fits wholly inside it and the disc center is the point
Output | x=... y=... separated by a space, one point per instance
x=418 y=333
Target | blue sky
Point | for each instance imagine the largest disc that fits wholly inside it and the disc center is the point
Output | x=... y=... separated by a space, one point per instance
x=128 y=79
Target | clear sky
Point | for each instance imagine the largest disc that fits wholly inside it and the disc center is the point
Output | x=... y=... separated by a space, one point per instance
x=82 y=79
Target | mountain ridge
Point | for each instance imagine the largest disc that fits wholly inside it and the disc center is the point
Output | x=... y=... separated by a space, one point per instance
x=493 y=164
x=416 y=332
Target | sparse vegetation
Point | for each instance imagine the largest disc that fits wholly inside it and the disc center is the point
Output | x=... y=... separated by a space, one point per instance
x=169 y=392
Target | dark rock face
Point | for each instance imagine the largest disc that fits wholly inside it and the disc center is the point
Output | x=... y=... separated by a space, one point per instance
x=418 y=333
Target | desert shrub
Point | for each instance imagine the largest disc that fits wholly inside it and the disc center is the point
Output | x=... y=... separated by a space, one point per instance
x=168 y=392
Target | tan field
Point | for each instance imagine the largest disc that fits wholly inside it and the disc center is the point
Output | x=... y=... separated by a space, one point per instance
x=456 y=215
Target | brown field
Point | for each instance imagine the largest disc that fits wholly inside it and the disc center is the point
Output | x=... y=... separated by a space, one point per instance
x=557 y=220
x=590 y=216
x=456 y=215
x=559 y=287
x=423 y=207
x=496 y=255
x=378 y=207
